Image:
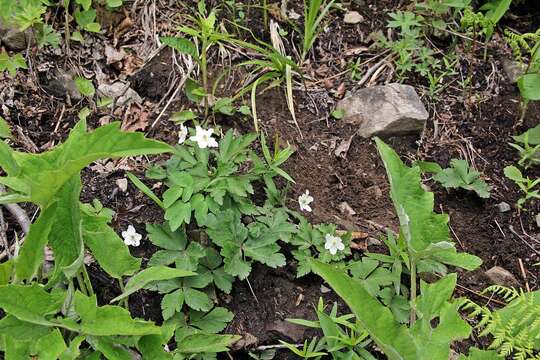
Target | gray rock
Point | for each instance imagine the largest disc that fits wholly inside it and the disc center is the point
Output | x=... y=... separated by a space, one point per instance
x=513 y=69
x=121 y=92
x=286 y=330
x=62 y=85
x=352 y=17
x=500 y=276
x=392 y=109
x=503 y=207
x=538 y=219
x=345 y=208
x=13 y=38
x=325 y=290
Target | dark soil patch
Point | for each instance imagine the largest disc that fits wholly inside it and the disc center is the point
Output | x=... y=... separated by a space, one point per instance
x=460 y=126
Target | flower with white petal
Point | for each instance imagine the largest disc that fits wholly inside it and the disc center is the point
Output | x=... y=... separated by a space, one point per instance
x=131 y=237
x=182 y=134
x=304 y=200
x=333 y=244
x=204 y=138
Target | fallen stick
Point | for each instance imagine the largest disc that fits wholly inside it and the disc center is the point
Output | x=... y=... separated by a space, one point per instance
x=18 y=213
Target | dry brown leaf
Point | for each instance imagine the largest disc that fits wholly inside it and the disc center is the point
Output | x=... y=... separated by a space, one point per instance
x=340 y=91
x=355 y=50
x=136 y=119
x=113 y=56
x=132 y=63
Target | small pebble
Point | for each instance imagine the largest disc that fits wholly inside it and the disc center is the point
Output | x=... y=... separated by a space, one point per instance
x=324 y=289
x=503 y=207
x=353 y=17
x=538 y=219
x=122 y=184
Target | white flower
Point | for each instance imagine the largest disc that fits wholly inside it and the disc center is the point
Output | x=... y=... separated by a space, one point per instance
x=204 y=138
x=304 y=200
x=131 y=237
x=333 y=244
x=182 y=134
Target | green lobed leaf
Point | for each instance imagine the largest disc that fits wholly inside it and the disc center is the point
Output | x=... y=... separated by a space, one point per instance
x=179 y=213
x=172 y=303
x=85 y=87
x=163 y=237
x=73 y=352
x=12 y=63
x=212 y=322
x=197 y=299
x=477 y=354
x=181 y=45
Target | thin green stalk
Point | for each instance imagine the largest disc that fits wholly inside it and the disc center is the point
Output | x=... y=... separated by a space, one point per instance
x=205 y=77
x=413 y=290
x=82 y=284
x=87 y=281
x=265 y=15
x=125 y=302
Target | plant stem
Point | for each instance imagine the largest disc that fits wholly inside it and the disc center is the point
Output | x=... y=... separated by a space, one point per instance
x=265 y=15
x=87 y=281
x=413 y=291
x=205 y=77
x=125 y=302
x=82 y=285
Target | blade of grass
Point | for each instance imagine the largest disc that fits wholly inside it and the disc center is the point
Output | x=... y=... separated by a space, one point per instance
x=145 y=189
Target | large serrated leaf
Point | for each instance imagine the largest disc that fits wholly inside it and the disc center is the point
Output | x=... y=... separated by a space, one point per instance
x=31 y=254
x=46 y=173
x=393 y=338
x=107 y=247
x=529 y=86
x=108 y=320
x=30 y=303
x=65 y=237
x=148 y=275
x=420 y=226
x=422 y=229
x=206 y=343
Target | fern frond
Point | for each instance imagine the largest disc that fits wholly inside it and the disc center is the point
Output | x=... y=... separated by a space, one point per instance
x=515 y=328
